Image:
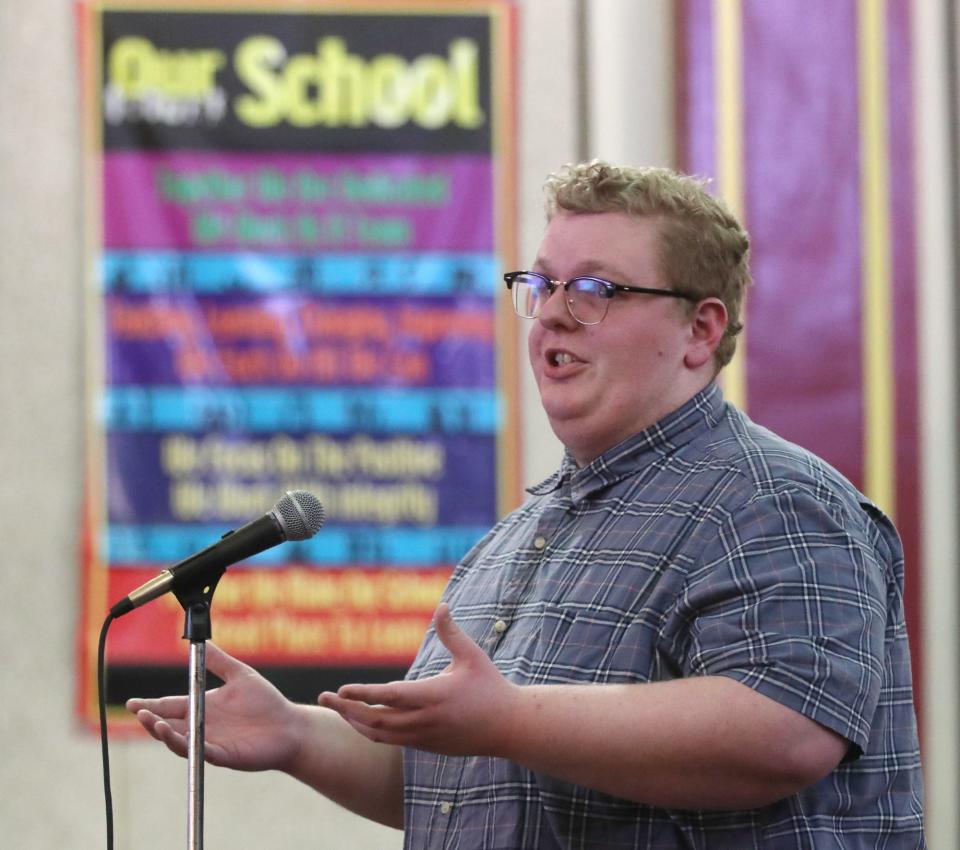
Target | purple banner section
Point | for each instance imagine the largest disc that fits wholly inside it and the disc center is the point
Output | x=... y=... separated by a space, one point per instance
x=361 y=480
x=900 y=105
x=802 y=168
x=286 y=340
x=698 y=130
x=293 y=202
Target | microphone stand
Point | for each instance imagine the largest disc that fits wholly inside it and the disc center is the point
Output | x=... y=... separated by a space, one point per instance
x=197 y=631
x=196 y=602
x=297 y=516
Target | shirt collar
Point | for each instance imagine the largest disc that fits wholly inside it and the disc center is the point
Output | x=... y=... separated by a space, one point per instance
x=698 y=415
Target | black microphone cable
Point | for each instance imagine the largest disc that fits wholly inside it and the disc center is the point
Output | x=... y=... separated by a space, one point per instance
x=104 y=744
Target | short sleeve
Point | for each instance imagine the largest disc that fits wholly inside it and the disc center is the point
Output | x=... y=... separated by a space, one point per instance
x=789 y=598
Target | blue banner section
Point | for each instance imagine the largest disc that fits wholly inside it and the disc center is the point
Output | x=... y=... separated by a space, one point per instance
x=408 y=274
x=392 y=480
x=335 y=411
x=168 y=544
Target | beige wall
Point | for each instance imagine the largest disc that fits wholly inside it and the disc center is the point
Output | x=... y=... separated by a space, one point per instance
x=50 y=774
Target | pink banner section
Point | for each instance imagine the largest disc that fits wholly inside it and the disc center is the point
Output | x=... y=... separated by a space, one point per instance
x=802 y=208
x=802 y=175
x=291 y=202
x=900 y=104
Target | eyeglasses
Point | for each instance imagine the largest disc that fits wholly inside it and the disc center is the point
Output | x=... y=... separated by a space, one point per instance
x=587 y=298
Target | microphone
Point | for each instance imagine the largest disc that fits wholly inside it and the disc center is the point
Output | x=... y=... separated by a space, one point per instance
x=297 y=516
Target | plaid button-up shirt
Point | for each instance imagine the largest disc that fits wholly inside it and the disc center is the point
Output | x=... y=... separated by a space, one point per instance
x=703 y=546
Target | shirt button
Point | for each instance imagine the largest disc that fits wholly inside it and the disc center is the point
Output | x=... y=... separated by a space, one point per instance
x=500 y=627
x=445 y=807
x=539 y=542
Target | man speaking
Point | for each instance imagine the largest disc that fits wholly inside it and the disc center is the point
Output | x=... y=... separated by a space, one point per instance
x=690 y=636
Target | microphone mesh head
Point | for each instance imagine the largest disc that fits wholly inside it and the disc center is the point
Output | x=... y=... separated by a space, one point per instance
x=300 y=514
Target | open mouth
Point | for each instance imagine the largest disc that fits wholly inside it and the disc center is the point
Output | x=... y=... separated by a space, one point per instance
x=560 y=358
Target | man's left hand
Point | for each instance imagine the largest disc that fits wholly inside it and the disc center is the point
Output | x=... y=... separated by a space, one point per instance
x=460 y=711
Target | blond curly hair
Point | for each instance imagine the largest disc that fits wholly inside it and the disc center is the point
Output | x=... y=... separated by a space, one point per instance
x=704 y=250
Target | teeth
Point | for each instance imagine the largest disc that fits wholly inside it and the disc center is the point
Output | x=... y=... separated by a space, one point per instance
x=562 y=358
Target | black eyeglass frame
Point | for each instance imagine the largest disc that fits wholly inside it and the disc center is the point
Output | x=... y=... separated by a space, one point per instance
x=608 y=288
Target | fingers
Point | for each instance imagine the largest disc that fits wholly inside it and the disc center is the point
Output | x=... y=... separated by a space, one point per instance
x=174 y=735
x=218 y=662
x=370 y=713
x=377 y=722
x=223 y=665
x=164 y=718
x=460 y=644
x=171 y=707
x=379 y=735
x=175 y=741
x=395 y=694
x=343 y=706
x=412 y=695
x=164 y=731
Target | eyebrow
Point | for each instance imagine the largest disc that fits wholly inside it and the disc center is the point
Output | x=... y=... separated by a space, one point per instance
x=585 y=268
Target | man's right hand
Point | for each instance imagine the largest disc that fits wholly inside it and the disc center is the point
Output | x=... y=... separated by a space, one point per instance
x=249 y=724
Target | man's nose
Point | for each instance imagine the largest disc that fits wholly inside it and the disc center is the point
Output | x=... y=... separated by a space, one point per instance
x=555 y=310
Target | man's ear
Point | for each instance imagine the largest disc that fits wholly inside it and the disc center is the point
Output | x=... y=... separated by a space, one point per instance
x=707 y=325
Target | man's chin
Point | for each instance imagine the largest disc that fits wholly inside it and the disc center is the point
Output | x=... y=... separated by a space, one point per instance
x=562 y=414
x=567 y=423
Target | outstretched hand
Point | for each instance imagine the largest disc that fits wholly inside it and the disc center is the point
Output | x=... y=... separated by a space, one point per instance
x=463 y=710
x=249 y=724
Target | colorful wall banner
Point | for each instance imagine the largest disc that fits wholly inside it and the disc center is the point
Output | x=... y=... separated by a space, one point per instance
x=803 y=114
x=297 y=223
